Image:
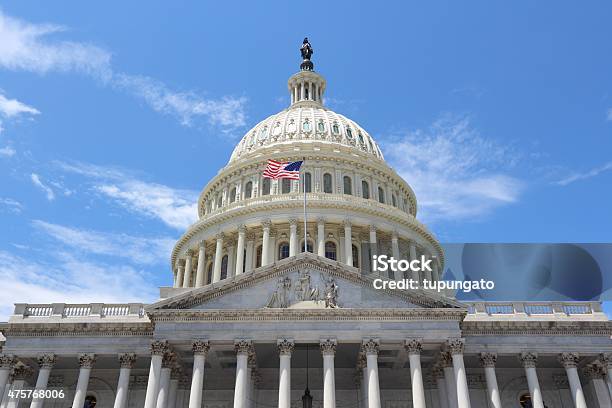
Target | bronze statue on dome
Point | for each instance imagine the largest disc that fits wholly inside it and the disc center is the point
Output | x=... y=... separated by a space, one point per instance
x=306 y=51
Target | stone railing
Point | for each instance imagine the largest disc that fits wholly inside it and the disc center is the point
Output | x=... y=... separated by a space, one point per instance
x=63 y=310
x=533 y=308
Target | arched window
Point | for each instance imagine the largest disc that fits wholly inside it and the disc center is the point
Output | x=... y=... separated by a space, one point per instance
x=233 y=195
x=265 y=186
x=355 y=254
x=209 y=273
x=335 y=128
x=306 y=126
x=365 y=189
x=393 y=200
x=224 y=261
x=283 y=250
x=258 y=257
x=309 y=246
x=248 y=190
x=348 y=185
x=327 y=183
x=381 y=195
x=285 y=186
x=308 y=181
x=330 y=250
x=306 y=92
x=321 y=126
x=349 y=133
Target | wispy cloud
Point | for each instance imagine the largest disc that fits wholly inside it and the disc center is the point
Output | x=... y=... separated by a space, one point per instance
x=32 y=47
x=584 y=175
x=139 y=250
x=609 y=115
x=10 y=205
x=11 y=108
x=176 y=208
x=455 y=172
x=62 y=279
x=7 y=151
x=50 y=194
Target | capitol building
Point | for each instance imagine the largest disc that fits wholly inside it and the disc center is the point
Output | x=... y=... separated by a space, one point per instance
x=267 y=308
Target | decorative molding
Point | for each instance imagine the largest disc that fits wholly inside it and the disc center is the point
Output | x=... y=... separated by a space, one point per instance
x=159 y=347
x=47 y=360
x=7 y=360
x=127 y=360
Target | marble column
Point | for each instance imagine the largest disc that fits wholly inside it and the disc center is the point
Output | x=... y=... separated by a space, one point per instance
x=250 y=252
x=370 y=348
x=455 y=346
x=180 y=272
x=606 y=361
x=200 y=350
x=361 y=368
x=293 y=239
x=414 y=348
x=397 y=275
x=436 y=270
x=529 y=363
x=158 y=349
x=126 y=363
x=175 y=375
x=45 y=364
x=20 y=373
x=413 y=255
x=86 y=362
x=243 y=348
x=446 y=362
x=348 y=243
x=488 y=360
x=373 y=242
x=240 y=250
x=438 y=375
x=6 y=364
x=218 y=256
x=254 y=380
x=321 y=237
x=328 y=350
x=201 y=271
x=596 y=374
x=265 y=245
x=570 y=363
x=188 y=268
x=168 y=361
x=285 y=348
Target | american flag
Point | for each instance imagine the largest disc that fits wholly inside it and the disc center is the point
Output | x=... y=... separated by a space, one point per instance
x=279 y=170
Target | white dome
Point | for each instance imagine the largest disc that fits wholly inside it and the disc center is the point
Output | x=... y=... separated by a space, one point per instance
x=306 y=123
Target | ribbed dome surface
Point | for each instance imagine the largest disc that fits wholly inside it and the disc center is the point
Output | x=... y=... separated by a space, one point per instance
x=306 y=123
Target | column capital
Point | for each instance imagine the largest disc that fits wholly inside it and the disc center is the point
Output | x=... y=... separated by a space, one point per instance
x=446 y=360
x=293 y=222
x=266 y=224
x=361 y=362
x=250 y=236
x=569 y=360
x=127 y=360
x=252 y=360
x=394 y=235
x=243 y=346
x=413 y=346
x=47 y=360
x=373 y=228
x=594 y=372
x=189 y=253
x=219 y=235
x=159 y=347
x=328 y=346
x=169 y=360
x=200 y=347
x=242 y=229
x=370 y=346
x=285 y=346
x=346 y=223
x=180 y=263
x=529 y=359
x=320 y=220
x=21 y=371
x=437 y=372
x=202 y=244
x=455 y=345
x=488 y=360
x=87 y=360
x=7 y=360
x=176 y=372
x=606 y=360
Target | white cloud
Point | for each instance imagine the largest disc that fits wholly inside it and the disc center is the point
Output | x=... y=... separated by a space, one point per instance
x=7 y=151
x=139 y=250
x=32 y=47
x=12 y=107
x=585 y=175
x=10 y=205
x=28 y=47
x=176 y=208
x=455 y=173
x=45 y=188
x=227 y=112
x=69 y=279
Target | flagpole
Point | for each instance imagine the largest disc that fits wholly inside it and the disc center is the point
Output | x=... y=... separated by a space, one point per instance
x=305 y=234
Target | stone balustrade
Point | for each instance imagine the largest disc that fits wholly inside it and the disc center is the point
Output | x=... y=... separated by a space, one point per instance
x=66 y=311
x=534 y=309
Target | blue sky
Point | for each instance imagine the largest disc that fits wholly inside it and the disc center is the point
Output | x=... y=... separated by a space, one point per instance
x=114 y=116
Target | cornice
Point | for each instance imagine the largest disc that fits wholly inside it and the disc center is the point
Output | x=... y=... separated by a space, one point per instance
x=63 y=328
x=537 y=328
